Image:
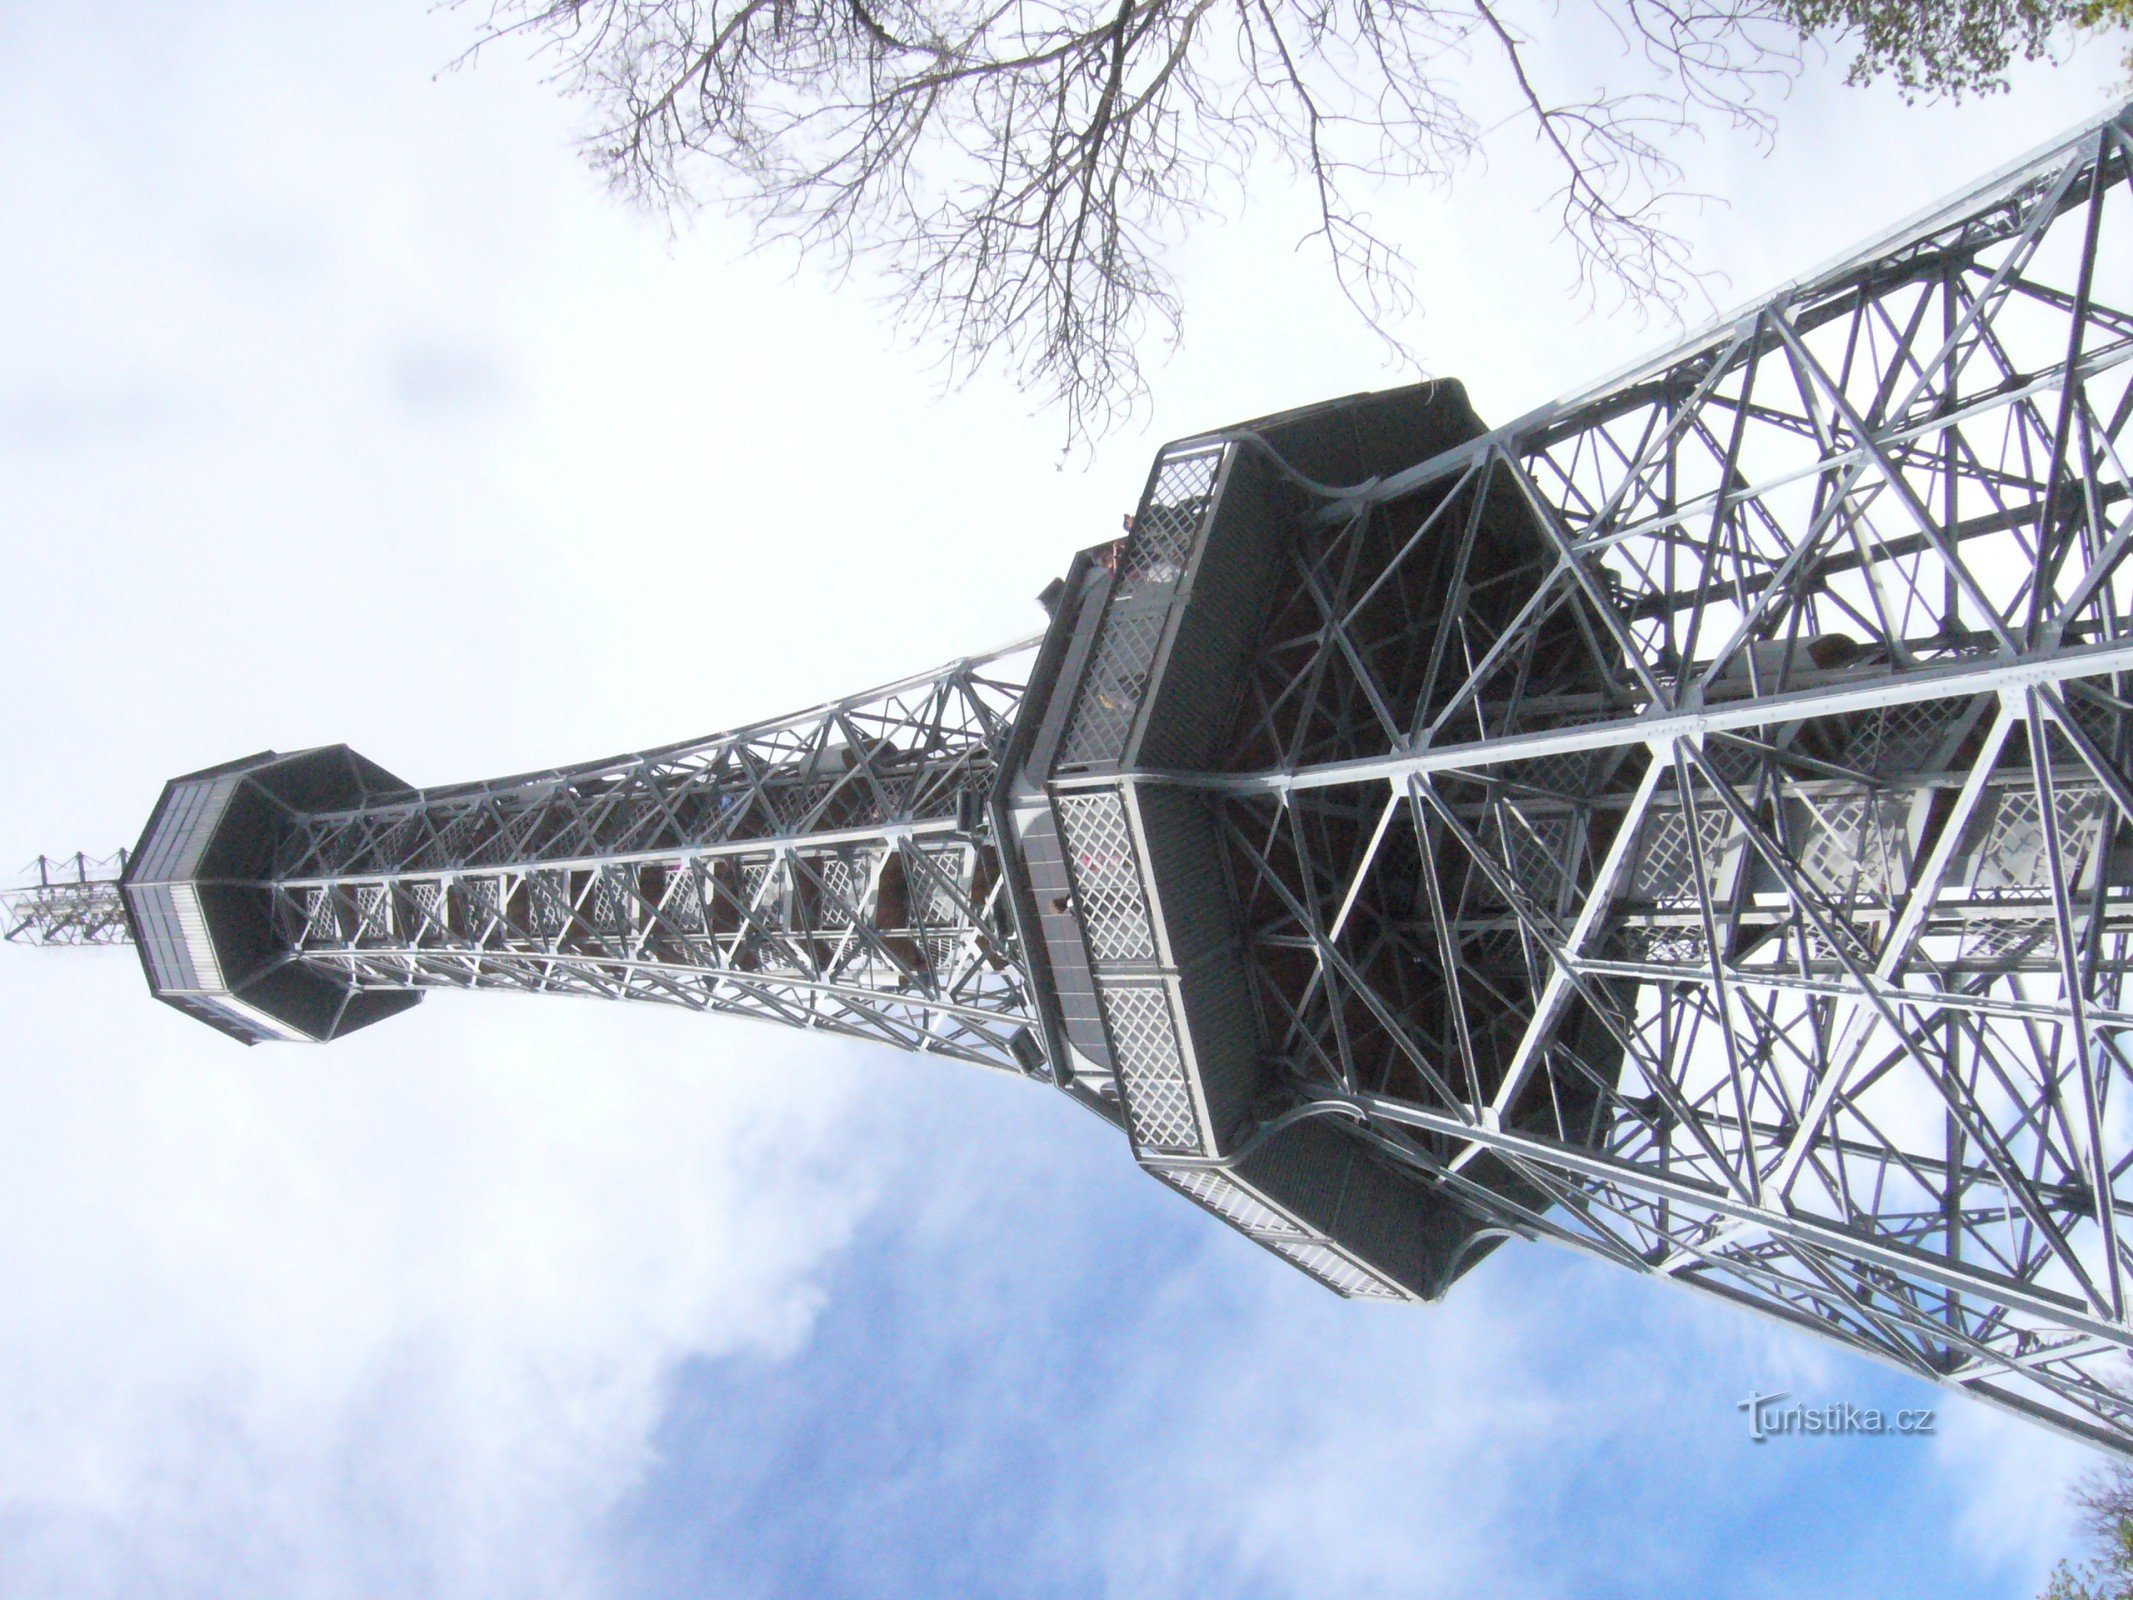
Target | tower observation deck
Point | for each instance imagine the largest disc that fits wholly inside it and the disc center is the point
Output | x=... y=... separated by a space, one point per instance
x=1692 y=822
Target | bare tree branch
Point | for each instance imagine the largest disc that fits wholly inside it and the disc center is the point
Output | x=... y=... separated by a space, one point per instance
x=1010 y=174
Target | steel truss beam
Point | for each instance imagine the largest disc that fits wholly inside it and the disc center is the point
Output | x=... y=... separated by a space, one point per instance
x=832 y=870
x=1710 y=799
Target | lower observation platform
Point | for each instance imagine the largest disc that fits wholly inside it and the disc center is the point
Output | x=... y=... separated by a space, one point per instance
x=1147 y=978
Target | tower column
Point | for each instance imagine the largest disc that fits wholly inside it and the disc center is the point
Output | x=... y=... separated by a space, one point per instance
x=833 y=870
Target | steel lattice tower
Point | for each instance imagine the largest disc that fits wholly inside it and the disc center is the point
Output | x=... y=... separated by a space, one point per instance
x=1693 y=823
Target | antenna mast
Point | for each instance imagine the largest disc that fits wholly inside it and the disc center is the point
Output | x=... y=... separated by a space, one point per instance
x=67 y=900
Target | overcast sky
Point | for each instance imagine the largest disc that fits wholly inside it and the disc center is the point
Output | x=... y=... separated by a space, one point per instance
x=337 y=402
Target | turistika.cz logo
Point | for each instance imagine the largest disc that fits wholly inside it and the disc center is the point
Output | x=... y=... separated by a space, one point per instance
x=1770 y=1418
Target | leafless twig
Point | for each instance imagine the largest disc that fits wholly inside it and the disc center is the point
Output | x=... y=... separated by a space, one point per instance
x=1011 y=173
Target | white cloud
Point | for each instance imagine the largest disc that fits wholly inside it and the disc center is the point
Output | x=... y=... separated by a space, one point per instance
x=2016 y=1481
x=1394 y=1462
x=399 y=1320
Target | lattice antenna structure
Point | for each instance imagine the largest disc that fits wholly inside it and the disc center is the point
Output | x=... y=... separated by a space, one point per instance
x=1692 y=823
x=70 y=900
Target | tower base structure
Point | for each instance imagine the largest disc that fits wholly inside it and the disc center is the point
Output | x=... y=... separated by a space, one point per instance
x=1688 y=823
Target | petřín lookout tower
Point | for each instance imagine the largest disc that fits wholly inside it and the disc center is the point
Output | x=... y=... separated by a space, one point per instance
x=1693 y=822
